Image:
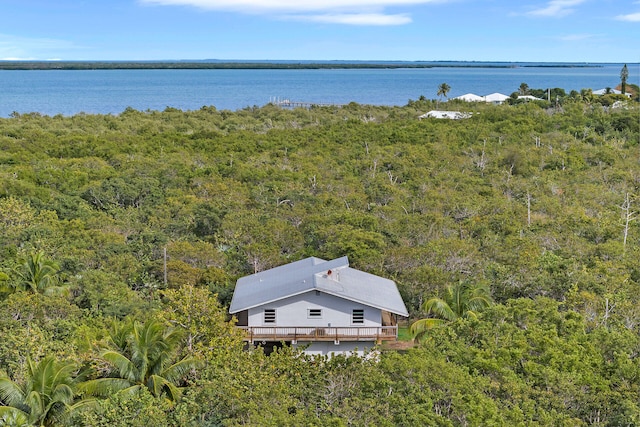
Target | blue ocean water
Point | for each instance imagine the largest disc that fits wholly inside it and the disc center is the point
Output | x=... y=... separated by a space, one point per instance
x=69 y=92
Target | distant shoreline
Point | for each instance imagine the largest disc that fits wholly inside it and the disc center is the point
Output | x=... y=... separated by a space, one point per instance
x=267 y=65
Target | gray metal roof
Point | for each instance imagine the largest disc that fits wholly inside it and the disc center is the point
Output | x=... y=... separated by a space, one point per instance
x=314 y=274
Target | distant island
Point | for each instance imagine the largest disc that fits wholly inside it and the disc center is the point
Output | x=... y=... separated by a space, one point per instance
x=266 y=64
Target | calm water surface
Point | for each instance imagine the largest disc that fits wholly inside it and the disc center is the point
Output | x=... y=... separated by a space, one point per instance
x=54 y=92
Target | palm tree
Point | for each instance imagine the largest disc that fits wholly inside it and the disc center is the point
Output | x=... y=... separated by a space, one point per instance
x=443 y=89
x=46 y=398
x=462 y=300
x=586 y=95
x=142 y=355
x=624 y=75
x=40 y=275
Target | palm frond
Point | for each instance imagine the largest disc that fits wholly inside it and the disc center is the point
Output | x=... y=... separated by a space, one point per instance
x=119 y=334
x=173 y=392
x=439 y=308
x=420 y=328
x=142 y=356
x=11 y=394
x=36 y=405
x=180 y=369
x=63 y=393
x=10 y=416
x=38 y=273
x=124 y=367
x=60 y=372
x=131 y=391
x=423 y=325
x=155 y=384
x=158 y=385
x=103 y=386
x=470 y=314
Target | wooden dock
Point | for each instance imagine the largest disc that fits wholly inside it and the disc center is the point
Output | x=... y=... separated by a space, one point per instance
x=287 y=103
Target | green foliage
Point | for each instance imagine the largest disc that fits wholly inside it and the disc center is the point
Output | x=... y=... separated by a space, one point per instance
x=462 y=300
x=139 y=409
x=203 y=321
x=525 y=200
x=39 y=275
x=39 y=325
x=141 y=356
x=45 y=398
x=546 y=362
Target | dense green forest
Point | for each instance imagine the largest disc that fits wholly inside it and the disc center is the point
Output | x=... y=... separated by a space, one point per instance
x=535 y=202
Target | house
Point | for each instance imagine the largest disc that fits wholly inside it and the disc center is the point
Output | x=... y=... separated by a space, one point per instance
x=529 y=98
x=496 y=98
x=325 y=306
x=453 y=115
x=607 y=91
x=470 y=97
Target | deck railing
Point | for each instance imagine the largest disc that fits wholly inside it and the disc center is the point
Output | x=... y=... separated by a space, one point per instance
x=305 y=333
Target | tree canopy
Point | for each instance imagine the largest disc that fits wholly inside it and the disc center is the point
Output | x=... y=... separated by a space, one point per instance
x=145 y=220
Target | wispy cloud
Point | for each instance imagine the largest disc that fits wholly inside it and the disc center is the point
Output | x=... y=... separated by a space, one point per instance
x=576 y=37
x=25 y=48
x=355 y=19
x=289 y=5
x=631 y=17
x=556 y=8
x=348 y=12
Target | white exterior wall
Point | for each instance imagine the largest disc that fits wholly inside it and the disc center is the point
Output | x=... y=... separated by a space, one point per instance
x=336 y=312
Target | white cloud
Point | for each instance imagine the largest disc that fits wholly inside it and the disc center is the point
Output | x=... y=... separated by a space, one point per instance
x=349 y=12
x=632 y=17
x=576 y=37
x=355 y=19
x=289 y=5
x=556 y=8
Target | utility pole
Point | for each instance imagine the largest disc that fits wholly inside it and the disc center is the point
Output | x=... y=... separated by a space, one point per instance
x=165 y=266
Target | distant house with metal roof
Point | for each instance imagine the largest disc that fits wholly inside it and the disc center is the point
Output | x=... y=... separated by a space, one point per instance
x=326 y=306
x=453 y=115
x=610 y=91
x=470 y=97
x=529 y=98
x=496 y=98
x=493 y=98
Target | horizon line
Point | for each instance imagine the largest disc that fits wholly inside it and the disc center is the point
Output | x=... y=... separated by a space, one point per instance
x=311 y=61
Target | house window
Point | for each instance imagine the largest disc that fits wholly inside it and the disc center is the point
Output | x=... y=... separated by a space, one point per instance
x=314 y=313
x=357 y=316
x=269 y=315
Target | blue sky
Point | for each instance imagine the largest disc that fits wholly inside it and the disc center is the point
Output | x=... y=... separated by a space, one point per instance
x=468 y=30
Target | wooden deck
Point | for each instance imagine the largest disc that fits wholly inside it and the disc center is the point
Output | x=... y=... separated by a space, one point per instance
x=308 y=334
